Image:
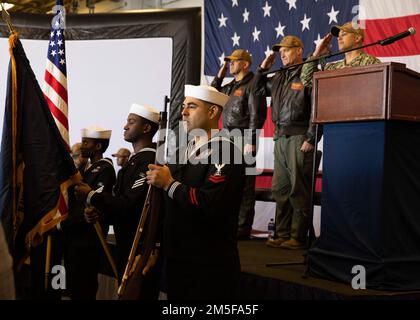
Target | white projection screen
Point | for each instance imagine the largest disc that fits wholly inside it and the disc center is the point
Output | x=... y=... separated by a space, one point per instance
x=104 y=78
x=114 y=60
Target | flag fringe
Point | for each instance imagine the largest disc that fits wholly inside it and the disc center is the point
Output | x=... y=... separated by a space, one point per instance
x=49 y=221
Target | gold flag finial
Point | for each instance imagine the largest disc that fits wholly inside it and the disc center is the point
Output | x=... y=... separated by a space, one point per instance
x=6 y=18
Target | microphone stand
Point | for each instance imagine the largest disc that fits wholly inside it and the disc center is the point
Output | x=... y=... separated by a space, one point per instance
x=327 y=56
x=311 y=232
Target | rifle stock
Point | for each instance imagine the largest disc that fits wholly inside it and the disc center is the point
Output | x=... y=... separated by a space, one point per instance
x=137 y=237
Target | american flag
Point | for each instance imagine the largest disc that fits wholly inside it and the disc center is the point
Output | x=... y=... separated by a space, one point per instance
x=55 y=85
x=256 y=25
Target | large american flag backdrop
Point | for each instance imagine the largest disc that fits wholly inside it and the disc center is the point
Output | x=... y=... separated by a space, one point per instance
x=55 y=86
x=256 y=25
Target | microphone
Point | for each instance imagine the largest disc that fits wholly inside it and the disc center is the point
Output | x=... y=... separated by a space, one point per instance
x=411 y=31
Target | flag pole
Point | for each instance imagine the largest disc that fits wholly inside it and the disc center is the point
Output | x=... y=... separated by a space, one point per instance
x=48 y=262
x=13 y=38
x=105 y=247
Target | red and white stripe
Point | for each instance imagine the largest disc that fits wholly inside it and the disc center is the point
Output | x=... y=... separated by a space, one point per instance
x=55 y=93
x=385 y=18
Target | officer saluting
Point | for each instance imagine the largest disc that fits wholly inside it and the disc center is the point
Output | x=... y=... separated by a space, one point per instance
x=203 y=196
x=125 y=204
x=83 y=249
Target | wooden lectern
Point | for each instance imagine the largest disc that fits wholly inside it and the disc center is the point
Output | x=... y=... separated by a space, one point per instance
x=370 y=218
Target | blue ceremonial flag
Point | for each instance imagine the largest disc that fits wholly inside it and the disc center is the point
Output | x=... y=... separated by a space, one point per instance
x=35 y=165
x=256 y=25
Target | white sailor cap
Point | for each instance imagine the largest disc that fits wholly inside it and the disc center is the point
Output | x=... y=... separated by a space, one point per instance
x=96 y=132
x=145 y=111
x=206 y=93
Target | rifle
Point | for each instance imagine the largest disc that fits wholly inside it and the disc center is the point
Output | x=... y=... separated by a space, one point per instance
x=131 y=285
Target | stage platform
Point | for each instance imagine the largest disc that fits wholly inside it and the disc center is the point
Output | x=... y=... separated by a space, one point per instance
x=259 y=282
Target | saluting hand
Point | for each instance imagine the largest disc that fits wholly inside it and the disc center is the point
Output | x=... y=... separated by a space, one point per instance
x=269 y=60
x=324 y=46
x=159 y=176
x=222 y=71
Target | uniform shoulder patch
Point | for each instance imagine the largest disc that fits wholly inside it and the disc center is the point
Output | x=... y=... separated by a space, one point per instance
x=297 y=86
x=238 y=93
x=140 y=181
x=218 y=176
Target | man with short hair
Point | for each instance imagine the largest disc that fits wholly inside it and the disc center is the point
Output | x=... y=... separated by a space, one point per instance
x=83 y=248
x=294 y=143
x=245 y=109
x=124 y=205
x=202 y=200
x=122 y=156
x=349 y=36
